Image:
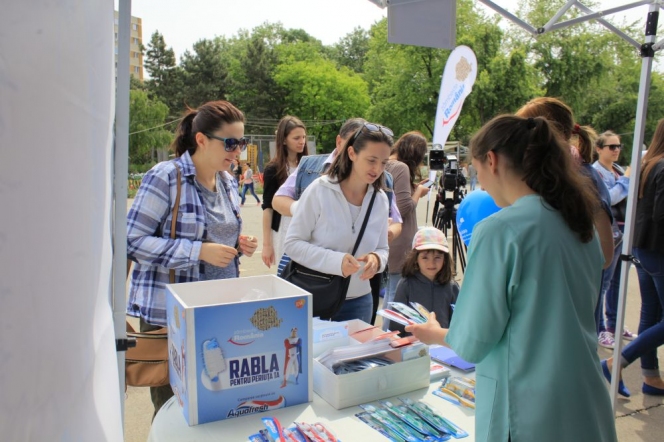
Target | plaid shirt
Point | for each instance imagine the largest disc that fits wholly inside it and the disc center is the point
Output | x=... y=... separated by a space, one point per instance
x=148 y=235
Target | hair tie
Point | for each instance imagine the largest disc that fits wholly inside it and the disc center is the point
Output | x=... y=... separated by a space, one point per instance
x=530 y=124
x=576 y=130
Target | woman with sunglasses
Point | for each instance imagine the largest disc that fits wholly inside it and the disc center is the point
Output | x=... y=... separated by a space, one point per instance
x=292 y=145
x=608 y=147
x=649 y=250
x=525 y=312
x=207 y=242
x=330 y=214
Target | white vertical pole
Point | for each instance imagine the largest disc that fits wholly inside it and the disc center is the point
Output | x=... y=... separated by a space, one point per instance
x=647 y=52
x=120 y=171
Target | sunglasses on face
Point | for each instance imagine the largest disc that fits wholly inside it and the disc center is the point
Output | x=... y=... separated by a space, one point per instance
x=614 y=146
x=372 y=127
x=230 y=144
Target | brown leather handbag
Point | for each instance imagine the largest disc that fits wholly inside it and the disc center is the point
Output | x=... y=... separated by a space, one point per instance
x=146 y=364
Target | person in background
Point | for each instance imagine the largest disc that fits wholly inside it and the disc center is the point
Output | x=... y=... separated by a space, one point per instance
x=580 y=140
x=238 y=174
x=404 y=165
x=427 y=277
x=649 y=250
x=616 y=179
x=248 y=184
x=472 y=174
x=207 y=243
x=525 y=312
x=311 y=167
x=292 y=146
x=330 y=215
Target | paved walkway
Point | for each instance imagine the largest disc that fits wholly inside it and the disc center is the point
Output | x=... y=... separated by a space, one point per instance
x=638 y=419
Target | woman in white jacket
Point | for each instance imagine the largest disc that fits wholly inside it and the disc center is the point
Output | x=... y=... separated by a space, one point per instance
x=323 y=231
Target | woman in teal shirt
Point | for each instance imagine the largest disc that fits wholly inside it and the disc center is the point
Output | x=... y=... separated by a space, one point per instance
x=525 y=313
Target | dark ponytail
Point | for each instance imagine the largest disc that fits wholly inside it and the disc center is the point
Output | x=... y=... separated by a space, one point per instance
x=535 y=151
x=208 y=118
x=184 y=138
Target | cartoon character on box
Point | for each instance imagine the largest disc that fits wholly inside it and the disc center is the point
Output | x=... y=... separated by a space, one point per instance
x=293 y=364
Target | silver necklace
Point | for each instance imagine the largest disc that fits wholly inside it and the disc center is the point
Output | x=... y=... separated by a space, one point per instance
x=356 y=217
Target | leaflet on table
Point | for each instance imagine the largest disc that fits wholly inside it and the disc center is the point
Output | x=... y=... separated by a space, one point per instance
x=447 y=356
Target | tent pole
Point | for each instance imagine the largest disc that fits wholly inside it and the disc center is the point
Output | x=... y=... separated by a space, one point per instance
x=120 y=171
x=647 y=54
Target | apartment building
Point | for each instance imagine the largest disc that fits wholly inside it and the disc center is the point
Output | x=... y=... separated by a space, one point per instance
x=135 y=53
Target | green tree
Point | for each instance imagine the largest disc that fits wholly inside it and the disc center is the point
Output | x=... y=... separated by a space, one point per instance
x=321 y=92
x=164 y=83
x=254 y=87
x=204 y=73
x=404 y=81
x=147 y=132
x=351 y=50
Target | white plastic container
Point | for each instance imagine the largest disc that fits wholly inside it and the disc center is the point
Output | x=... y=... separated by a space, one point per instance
x=346 y=390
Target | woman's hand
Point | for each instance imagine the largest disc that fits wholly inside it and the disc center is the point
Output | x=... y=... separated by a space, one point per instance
x=217 y=254
x=422 y=190
x=268 y=255
x=371 y=267
x=429 y=332
x=349 y=265
x=628 y=170
x=248 y=244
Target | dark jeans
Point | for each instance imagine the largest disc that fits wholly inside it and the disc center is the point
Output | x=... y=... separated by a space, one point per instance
x=249 y=187
x=610 y=291
x=608 y=294
x=356 y=308
x=159 y=395
x=651 y=326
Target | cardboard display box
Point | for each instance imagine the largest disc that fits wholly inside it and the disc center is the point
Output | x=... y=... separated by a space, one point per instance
x=239 y=346
x=350 y=389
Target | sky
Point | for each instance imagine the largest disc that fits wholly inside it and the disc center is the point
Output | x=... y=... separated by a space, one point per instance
x=183 y=22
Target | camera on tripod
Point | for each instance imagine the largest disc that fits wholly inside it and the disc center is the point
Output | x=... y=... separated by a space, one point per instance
x=452 y=189
x=452 y=179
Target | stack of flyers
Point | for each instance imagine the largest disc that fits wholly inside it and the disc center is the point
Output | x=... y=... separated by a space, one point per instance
x=405 y=315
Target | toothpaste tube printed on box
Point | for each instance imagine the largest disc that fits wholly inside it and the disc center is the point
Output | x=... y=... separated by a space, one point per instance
x=240 y=358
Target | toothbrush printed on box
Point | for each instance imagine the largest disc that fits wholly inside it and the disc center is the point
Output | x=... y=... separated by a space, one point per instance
x=213 y=364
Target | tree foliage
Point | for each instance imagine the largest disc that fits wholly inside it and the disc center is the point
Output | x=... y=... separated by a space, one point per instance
x=271 y=71
x=146 y=127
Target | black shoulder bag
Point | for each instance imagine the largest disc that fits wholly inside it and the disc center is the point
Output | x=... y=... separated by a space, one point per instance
x=328 y=291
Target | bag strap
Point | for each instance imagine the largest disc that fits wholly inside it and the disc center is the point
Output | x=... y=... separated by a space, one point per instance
x=174 y=221
x=364 y=223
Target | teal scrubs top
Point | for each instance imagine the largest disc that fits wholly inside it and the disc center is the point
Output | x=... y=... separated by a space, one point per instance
x=525 y=317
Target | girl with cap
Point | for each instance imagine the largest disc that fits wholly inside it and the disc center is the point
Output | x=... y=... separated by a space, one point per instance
x=427 y=277
x=534 y=270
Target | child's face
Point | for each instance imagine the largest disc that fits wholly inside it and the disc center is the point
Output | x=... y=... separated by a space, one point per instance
x=430 y=262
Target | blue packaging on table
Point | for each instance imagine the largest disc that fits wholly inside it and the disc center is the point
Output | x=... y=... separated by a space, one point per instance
x=239 y=346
